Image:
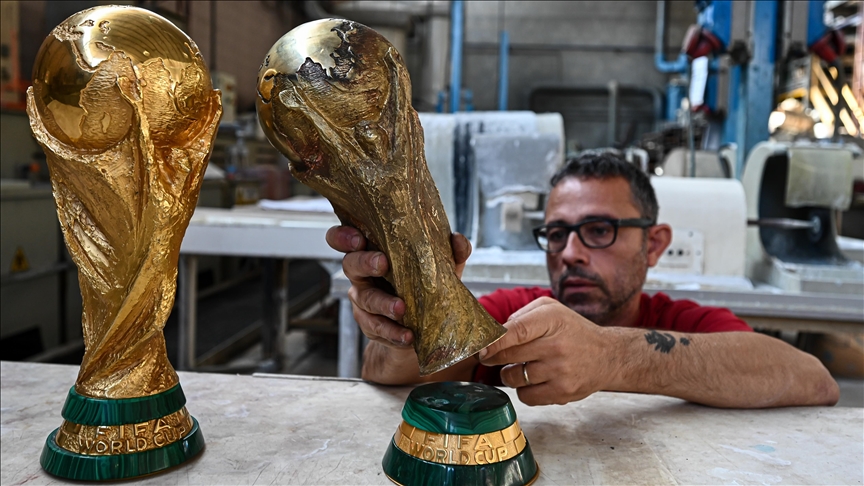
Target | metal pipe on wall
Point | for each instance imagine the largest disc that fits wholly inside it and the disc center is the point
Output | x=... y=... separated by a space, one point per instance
x=188 y=310
x=213 y=36
x=677 y=66
x=815 y=21
x=612 y=130
x=503 y=70
x=555 y=47
x=457 y=27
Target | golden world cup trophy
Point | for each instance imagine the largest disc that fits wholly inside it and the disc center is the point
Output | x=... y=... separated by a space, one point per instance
x=123 y=105
x=334 y=96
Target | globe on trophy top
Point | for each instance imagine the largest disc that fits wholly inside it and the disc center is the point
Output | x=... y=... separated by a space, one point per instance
x=84 y=61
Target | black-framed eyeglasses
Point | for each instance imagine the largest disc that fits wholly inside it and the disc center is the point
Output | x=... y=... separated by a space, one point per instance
x=596 y=233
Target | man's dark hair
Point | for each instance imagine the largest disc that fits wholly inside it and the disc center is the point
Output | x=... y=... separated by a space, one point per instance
x=606 y=165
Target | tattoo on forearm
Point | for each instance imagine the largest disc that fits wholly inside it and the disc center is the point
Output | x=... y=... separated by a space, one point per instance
x=662 y=342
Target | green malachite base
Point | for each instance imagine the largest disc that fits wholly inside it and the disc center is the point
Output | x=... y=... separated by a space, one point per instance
x=406 y=470
x=458 y=408
x=84 y=410
x=65 y=464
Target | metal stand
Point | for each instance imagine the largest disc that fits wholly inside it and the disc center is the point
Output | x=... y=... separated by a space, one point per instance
x=349 y=341
x=187 y=293
x=275 y=307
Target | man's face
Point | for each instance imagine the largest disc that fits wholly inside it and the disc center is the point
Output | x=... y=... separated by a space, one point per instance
x=596 y=283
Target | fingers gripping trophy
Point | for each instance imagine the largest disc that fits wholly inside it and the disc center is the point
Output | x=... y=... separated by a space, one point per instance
x=123 y=105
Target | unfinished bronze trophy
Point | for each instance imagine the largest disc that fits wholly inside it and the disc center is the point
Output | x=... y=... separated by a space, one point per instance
x=123 y=106
x=334 y=96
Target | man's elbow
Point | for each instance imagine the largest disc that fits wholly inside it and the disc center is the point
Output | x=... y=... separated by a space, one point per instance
x=374 y=374
x=825 y=389
x=383 y=373
x=367 y=375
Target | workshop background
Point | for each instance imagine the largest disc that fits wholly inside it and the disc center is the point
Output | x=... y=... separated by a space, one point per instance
x=724 y=103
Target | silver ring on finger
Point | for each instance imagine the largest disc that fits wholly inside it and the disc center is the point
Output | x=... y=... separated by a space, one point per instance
x=525 y=373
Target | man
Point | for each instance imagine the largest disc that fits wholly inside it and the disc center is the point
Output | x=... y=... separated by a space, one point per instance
x=594 y=329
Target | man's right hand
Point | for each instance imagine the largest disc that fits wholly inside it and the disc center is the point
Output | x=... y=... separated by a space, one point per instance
x=378 y=313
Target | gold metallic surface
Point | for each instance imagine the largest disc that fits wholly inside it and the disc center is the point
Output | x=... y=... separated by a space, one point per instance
x=335 y=98
x=464 y=450
x=102 y=440
x=123 y=106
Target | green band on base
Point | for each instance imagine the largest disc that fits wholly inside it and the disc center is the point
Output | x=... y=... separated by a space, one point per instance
x=60 y=462
x=404 y=469
x=119 y=411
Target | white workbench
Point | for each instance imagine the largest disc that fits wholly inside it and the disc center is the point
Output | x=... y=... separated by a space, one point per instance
x=250 y=232
x=764 y=308
x=291 y=430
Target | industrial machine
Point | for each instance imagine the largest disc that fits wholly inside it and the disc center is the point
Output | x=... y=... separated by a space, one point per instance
x=492 y=170
x=705 y=253
x=724 y=90
x=793 y=192
x=514 y=173
x=704 y=163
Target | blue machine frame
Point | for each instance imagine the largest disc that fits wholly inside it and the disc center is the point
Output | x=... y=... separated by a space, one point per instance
x=758 y=101
x=815 y=21
x=751 y=86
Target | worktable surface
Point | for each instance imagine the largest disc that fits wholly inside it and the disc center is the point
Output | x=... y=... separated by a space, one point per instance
x=296 y=430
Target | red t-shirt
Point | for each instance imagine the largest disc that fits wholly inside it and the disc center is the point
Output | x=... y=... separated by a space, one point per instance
x=655 y=312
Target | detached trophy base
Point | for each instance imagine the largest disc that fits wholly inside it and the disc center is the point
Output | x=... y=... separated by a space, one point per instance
x=457 y=433
x=112 y=439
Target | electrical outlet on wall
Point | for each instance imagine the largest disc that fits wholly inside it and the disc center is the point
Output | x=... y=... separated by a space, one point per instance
x=685 y=254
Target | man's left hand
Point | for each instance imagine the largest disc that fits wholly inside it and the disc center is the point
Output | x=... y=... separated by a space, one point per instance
x=565 y=356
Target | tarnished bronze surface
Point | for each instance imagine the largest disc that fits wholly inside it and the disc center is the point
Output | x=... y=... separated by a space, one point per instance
x=123 y=105
x=464 y=450
x=335 y=98
x=102 y=440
